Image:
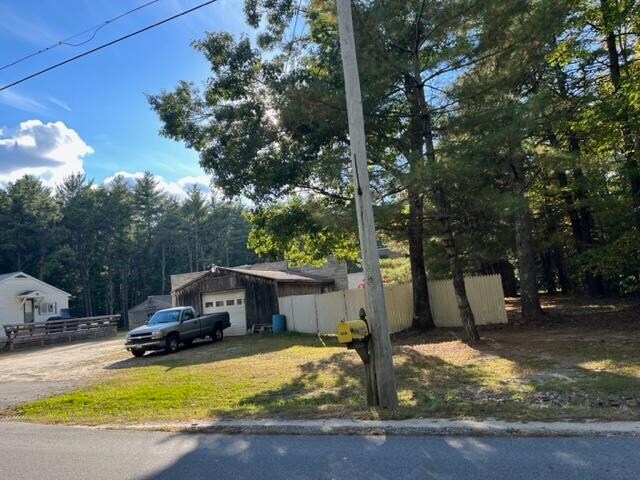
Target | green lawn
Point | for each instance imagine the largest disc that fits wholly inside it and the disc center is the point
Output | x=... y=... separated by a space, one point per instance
x=516 y=373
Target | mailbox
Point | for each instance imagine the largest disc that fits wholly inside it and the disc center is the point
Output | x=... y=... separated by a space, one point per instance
x=355 y=335
x=350 y=331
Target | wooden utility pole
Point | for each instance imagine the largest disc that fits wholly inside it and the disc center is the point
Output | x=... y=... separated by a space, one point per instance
x=376 y=311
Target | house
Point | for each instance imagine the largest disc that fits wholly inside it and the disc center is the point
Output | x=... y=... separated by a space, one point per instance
x=250 y=293
x=25 y=299
x=139 y=314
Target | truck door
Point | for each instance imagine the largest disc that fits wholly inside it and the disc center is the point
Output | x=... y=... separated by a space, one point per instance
x=190 y=325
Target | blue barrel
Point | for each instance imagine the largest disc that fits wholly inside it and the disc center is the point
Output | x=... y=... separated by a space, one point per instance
x=278 y=323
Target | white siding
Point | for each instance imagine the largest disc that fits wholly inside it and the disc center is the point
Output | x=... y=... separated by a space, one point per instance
x=232 y=301
x=11 y=310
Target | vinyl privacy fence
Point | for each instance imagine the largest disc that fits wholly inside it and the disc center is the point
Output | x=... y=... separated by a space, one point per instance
x=322 y=312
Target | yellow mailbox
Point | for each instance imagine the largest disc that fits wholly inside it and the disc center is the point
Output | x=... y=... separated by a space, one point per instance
x=352 y=330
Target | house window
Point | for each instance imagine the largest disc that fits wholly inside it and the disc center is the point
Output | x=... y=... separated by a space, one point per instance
x=48 y=308
x=208 y=304
x=239 y=301
x=219 y=303
x=230 y=302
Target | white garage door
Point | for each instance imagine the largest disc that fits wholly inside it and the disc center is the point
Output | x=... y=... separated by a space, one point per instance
x=231 y=301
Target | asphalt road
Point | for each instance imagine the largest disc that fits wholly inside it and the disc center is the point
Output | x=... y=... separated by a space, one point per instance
x=53 y=452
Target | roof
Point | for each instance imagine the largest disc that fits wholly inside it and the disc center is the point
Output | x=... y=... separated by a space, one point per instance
x=6 y=276
x=180 y=279
x=30 y=294
x=278 y=275
x=160 y=301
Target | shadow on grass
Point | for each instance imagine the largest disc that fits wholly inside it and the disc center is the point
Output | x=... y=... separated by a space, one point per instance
x=335 y=386
x=549 y=383
x=206 y=351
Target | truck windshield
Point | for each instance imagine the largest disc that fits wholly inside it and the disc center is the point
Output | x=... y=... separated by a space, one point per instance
x=167 y=316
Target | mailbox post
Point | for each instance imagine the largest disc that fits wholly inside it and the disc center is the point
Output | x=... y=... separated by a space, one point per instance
x=355 y=334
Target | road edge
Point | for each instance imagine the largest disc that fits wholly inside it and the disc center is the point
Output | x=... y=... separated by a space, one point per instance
x=391 y=427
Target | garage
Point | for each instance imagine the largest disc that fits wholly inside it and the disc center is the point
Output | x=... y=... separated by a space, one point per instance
x=231 y=301
x=249 y=295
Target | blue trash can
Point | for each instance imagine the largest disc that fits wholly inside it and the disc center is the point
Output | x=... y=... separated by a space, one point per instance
x=278 y=323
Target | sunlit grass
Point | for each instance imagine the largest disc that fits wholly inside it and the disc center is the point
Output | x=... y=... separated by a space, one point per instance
x=298 y=376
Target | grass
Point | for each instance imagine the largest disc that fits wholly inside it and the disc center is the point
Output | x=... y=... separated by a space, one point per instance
x=515 y=373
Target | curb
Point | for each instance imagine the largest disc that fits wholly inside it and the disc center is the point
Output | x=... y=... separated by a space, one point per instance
x=397 y=427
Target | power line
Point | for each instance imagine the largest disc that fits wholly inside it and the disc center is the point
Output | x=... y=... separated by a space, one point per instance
x=95 y=29
x=105 y=45
x=293 y=36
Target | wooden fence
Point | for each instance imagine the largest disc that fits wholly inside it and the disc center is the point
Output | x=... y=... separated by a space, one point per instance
x=56 y=331
x=322 y=312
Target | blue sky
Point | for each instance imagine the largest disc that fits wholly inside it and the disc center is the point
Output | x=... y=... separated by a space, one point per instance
x=92 y=114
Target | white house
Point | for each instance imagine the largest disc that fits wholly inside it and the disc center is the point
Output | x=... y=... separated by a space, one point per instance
x=24 y=298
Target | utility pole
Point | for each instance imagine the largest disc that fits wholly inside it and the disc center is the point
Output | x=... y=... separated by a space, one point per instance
x=376 y=311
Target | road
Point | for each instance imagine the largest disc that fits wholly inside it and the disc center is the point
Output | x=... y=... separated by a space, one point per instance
x=55 y=452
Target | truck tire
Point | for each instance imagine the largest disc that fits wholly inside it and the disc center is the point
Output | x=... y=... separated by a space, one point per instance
x=217 y=334
x=172 y=343
x=136 y=352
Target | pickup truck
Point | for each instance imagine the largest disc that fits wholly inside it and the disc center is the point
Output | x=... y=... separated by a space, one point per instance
x=170 y=327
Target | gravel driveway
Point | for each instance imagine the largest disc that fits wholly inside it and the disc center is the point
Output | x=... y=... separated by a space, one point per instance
x=30 y=374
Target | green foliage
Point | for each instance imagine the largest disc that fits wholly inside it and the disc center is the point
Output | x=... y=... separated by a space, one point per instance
x=304 y=231
x=111 y=246
x=528 y=83
x=395 y=270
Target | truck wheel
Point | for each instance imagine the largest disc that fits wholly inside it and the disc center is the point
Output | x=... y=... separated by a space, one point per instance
x=136 y=352
x=217 y=334
x=172 y=344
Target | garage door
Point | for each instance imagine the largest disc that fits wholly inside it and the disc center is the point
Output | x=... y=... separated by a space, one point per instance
x=231 y=301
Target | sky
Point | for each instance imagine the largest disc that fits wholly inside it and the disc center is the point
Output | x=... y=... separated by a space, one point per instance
x=91 y=115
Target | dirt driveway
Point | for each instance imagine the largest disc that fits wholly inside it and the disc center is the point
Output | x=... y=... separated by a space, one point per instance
x=35 y=373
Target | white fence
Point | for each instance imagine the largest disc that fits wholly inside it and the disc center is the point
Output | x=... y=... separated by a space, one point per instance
x=322 y=312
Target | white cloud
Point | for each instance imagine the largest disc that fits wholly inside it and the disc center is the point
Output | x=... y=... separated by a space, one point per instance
x=50 y=151
x=22 y=102
x=177 y=188
x=60 y=103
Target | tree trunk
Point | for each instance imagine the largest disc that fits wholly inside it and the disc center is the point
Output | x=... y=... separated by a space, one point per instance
x=124 y=296
x=110 y=297
x=628 y=141
x=422 y=122
x=576 y=200
x=466 y=314
x=563 y=278
x=548 y=272
x=41 y=270
x=190 y=254
x=197 y=245
x=163 y=267
x=529 y=296
x=422 y=317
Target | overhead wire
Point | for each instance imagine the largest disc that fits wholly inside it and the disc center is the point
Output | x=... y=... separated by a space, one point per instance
x=95 y=29
x=293 y=36
x=105 y=45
